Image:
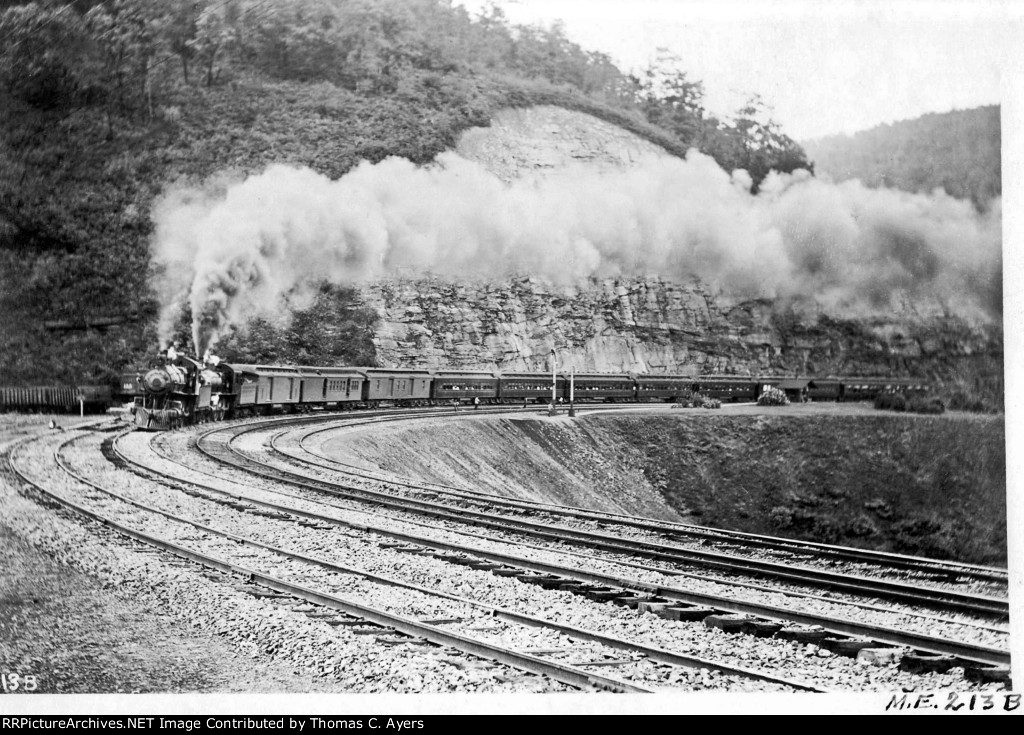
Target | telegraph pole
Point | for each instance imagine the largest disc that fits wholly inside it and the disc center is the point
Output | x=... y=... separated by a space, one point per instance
x=554 y=385
x=572 y=391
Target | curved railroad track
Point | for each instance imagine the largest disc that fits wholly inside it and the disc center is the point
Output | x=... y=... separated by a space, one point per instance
x=646 y=668
x=237 y=501
x=219 y=444
x=990 y=654
x=791 y=549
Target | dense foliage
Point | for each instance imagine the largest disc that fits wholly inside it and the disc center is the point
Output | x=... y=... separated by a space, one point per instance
x=912 y=404
x=928 y=485
x=958 y=151
x=689 y=399
x=334 y=329
x=104 y=103
x=772 y=397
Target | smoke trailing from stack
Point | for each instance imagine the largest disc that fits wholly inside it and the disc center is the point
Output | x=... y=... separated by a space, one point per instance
x=233 y=251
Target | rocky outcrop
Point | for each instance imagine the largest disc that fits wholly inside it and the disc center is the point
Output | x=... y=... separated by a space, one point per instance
x=648 y=325
x=548 y=140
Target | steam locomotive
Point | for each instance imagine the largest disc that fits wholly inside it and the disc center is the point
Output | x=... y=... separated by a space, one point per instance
x=185 y=391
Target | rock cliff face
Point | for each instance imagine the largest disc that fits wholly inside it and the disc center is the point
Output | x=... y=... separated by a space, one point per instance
x=548 y=140
x=651 y=326
x=639 y=324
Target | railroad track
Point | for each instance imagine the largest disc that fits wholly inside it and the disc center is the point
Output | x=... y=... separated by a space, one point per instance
x=655 y=597
x=789 y=550
x=218 y=444
x=938 y=569
x=614 y=589
x=157 y=527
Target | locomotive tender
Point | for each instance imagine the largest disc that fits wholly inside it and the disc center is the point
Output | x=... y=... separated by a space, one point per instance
x=185 y=391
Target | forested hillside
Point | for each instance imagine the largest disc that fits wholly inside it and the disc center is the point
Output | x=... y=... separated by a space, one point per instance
x=957 y=151
x=104 y=104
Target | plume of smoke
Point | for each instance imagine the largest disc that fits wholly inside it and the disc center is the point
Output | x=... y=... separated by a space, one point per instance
x=236 y=251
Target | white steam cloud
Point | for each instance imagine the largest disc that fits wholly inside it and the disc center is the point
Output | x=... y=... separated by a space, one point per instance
x=235 y=250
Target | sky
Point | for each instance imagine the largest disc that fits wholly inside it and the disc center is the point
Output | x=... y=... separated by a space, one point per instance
x=822 y=69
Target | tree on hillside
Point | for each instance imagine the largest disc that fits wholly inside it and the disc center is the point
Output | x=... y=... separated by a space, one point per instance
x=755 y=143
x=43 y=57
x=959 y=152
x=671 y=100
x=211 y=38
x=124 y=34
x=751 y=140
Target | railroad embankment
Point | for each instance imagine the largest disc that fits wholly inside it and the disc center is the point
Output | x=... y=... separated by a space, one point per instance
x=933 y=486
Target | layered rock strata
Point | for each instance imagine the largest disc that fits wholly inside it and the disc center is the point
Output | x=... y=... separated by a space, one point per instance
x=648 y=325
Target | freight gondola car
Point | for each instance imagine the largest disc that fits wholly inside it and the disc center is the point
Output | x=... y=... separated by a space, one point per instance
x=94 y=398
x=38 y=398
x=58 y=399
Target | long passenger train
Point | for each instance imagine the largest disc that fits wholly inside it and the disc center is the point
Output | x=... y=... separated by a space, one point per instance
x=186 y=391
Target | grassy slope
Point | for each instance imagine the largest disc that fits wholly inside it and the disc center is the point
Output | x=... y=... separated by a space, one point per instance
x=920 y=485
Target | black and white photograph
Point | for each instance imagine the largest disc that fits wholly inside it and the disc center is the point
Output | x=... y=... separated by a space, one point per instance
x=368 y=361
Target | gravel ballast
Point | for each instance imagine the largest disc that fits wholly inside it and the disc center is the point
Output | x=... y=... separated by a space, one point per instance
x=280 y=635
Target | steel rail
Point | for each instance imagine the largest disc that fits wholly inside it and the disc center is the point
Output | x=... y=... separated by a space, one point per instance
x=560 y=672
x=842 y=626
x=846 y=553
x=947 y=599
x=177 y=483
x=656 y=654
